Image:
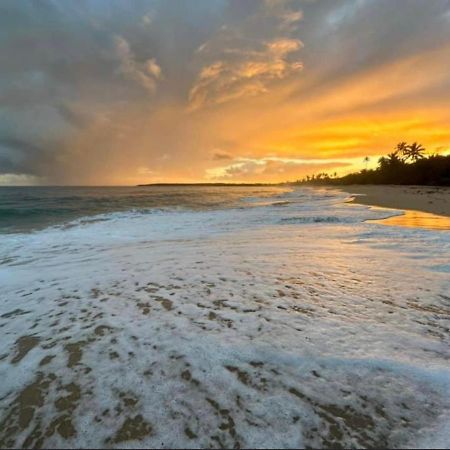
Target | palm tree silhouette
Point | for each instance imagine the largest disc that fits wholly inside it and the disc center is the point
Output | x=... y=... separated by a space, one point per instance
x=383 y=162
x=366 y=161
x=402 y=149
x=414 y=152
x=393 y=159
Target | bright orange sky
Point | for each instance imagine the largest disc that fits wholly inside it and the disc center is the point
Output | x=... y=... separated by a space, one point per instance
x=218 y=91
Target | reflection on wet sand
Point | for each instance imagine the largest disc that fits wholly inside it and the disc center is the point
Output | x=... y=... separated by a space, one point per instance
x=417 y=219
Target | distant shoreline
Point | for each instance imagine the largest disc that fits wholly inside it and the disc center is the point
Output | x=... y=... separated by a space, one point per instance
x=213 y=184
x=428 y=199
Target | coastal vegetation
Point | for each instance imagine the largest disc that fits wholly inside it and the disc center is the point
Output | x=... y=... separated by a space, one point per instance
x=407 y=164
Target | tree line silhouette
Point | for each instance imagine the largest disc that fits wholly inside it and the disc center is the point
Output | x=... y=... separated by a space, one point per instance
x=407 y=164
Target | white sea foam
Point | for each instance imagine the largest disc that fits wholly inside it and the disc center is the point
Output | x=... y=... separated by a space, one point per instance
x=288 y=323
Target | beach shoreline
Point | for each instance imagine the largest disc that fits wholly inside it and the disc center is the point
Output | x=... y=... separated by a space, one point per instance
x=428 y=199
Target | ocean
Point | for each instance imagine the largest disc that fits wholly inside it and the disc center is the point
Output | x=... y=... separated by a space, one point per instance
x=219 y=317
x=33 y=208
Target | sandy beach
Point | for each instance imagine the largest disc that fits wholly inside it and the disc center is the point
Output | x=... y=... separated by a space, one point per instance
x=293 y=320
x=429 y=199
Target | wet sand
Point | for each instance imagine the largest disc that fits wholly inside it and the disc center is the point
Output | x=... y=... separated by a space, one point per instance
x=429 y=199
x=423 y=206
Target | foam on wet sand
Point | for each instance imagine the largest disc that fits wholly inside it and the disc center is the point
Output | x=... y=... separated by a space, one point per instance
x=273 y=326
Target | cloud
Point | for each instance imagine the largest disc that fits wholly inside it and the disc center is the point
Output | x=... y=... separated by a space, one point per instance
x=74 y=116
x=92 y=92
x=146 y=20
x=12 y=179
x=282 y=47
x=222 y=156
x=290 y=18
x=247 y=73
x=287 y=15
x=16 y=152
x=244 y=63
x=275 y=169
x=146 y=74
x=249 y=79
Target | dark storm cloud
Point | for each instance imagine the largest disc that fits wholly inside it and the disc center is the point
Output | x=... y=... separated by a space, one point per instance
x=73 y=117
x=18 y=156
x=67 y=67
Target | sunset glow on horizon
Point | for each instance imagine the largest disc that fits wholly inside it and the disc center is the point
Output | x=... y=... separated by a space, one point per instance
x=118 y=93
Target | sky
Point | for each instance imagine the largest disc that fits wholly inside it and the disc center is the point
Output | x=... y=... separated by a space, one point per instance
x=109 y=92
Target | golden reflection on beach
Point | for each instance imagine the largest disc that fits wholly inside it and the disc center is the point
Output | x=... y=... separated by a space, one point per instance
x=417 y=219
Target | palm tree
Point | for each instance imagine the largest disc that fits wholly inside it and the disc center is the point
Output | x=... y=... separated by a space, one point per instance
x=366 y=161
x=393 y=159
x=383 y=162
x=414 y=152
x=402 y=149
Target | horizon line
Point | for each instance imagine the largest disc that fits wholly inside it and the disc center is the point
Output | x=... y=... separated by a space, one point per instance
x=145 y=184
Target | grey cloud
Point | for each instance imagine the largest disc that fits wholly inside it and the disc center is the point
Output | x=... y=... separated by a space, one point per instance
x=15 y=143
x=240 y=60
x=222 y=156
x=345 y=37
x=73 y=116
x=146 y=73
x=18 y=156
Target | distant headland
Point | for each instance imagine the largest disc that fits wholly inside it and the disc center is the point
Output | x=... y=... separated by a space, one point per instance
x=210 y=184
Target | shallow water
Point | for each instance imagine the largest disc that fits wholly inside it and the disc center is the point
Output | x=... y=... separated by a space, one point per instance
x=277 y=324
x=418 y=219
